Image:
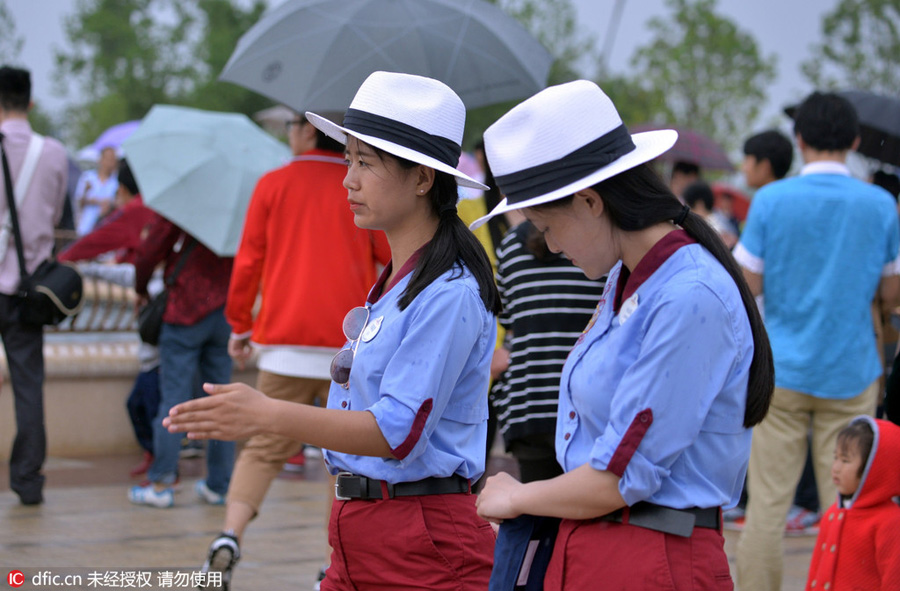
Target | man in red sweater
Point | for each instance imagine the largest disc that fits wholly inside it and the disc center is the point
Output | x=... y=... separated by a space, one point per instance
x=302 y=253
x=193 y=341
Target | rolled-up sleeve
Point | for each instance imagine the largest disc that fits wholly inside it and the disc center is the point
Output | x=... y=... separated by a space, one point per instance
x=688 y=349
x=446 y=333
x=750 y=251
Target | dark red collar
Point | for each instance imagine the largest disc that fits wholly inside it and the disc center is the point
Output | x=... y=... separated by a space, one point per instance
x=629 y=282
x=379 y=289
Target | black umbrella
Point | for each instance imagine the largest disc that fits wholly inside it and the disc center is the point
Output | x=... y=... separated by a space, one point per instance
x=879 y=124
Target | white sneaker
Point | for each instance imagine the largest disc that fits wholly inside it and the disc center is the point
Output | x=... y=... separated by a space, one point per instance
x=207 y=494
x=223 y=555
x=148 y=495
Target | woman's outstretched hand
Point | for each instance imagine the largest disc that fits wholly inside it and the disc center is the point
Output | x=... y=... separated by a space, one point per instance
x=232 y=411
x=494 y=502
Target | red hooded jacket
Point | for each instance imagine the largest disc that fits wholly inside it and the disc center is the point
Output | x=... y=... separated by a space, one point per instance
x=858 y=549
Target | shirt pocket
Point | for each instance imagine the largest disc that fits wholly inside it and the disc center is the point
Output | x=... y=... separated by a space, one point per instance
x=466 y=413
x=719 y=422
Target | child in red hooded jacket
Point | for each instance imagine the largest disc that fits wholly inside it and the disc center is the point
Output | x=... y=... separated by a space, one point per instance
x=858 y=547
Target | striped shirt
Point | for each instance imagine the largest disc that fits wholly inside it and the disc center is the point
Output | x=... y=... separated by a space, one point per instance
x=546 y=306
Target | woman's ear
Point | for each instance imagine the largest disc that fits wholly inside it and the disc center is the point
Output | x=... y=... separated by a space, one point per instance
x=424 y=180
x=590 y=200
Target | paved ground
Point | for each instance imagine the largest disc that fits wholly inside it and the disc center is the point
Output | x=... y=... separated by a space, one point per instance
x=87 y=528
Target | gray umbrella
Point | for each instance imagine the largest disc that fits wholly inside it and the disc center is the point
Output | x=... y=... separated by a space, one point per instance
x=879 y=124
x=314 y=54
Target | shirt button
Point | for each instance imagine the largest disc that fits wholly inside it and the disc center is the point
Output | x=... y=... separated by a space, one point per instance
x=567 y=435
x=344 y=404
x=827 y=586
x=813 y=585
x=572 y=414
x=833 y=548
x=840 y=516
x=831 y=517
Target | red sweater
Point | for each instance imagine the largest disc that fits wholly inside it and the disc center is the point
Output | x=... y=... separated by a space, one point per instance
x=301 y=249
x=859 y=547
x=121 y=231
x=200 y=287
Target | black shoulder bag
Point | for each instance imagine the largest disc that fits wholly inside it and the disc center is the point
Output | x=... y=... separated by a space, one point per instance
x=150 y=318
x=55 y=290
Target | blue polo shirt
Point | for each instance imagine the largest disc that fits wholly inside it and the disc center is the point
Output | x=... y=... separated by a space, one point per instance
x=821 y=241
x=423 y=373
x=655 y=390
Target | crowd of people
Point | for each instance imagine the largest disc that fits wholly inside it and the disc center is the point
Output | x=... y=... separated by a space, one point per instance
x=640 y=350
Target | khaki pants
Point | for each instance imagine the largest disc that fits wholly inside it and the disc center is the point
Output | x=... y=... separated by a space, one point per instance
x=777 y=456
x=263 y=456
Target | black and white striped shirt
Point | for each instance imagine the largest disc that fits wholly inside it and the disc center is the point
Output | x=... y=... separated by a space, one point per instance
x=546 y=306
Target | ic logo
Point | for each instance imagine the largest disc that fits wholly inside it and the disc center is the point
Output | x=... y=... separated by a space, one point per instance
x=15 y=578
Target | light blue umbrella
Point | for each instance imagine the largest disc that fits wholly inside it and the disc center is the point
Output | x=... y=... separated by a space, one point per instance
x=199 y=168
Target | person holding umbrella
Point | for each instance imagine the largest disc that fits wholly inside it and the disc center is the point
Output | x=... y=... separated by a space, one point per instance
x=659 y=393
x=193 y=341
x=407 y=413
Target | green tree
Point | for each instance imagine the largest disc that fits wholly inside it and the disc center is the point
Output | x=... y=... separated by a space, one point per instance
x=860 y=48
x=10 y=42
x=222 y=23
x=553 y=23
x=710 y=73
x=126 y=56
x=635 y=103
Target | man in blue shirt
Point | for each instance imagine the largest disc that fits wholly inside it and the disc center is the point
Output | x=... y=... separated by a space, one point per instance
x=818 y=247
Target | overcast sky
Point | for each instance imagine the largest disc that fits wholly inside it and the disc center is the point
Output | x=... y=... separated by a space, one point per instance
x=784 y=28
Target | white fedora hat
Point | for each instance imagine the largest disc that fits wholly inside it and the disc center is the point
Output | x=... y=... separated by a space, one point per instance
x=412 y=117
x=563 y=139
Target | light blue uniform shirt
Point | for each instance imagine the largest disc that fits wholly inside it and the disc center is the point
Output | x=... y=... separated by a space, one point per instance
x=681 y=349
x=423 y=372
x=821 y=241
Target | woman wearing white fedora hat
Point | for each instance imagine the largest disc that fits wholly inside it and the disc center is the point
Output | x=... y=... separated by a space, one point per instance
x=659 y=393
x=404 y=429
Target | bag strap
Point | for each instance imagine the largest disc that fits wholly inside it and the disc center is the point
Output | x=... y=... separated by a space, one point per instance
x=32 y=155
x=13 y=214
x=185 y=251
x=35 y=146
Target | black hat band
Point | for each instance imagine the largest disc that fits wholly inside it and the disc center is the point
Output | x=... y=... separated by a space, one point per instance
x=440 y=148
x=547 y=177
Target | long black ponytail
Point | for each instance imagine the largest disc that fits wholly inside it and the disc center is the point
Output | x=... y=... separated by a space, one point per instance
x=453 y=244
x=637 y=199
x=657 y=204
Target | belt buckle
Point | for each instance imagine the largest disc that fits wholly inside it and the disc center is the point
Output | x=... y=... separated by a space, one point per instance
x=337 y=486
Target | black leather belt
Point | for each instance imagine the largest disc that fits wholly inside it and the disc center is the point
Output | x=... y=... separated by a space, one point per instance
x=680 y=522
x=352 y=486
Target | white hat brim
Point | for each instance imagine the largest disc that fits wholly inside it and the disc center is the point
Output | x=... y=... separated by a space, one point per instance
x=338 y=133
x=647 y=146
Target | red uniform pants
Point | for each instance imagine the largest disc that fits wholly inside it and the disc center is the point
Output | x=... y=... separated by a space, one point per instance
x=612 y=556
x=433 y=542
